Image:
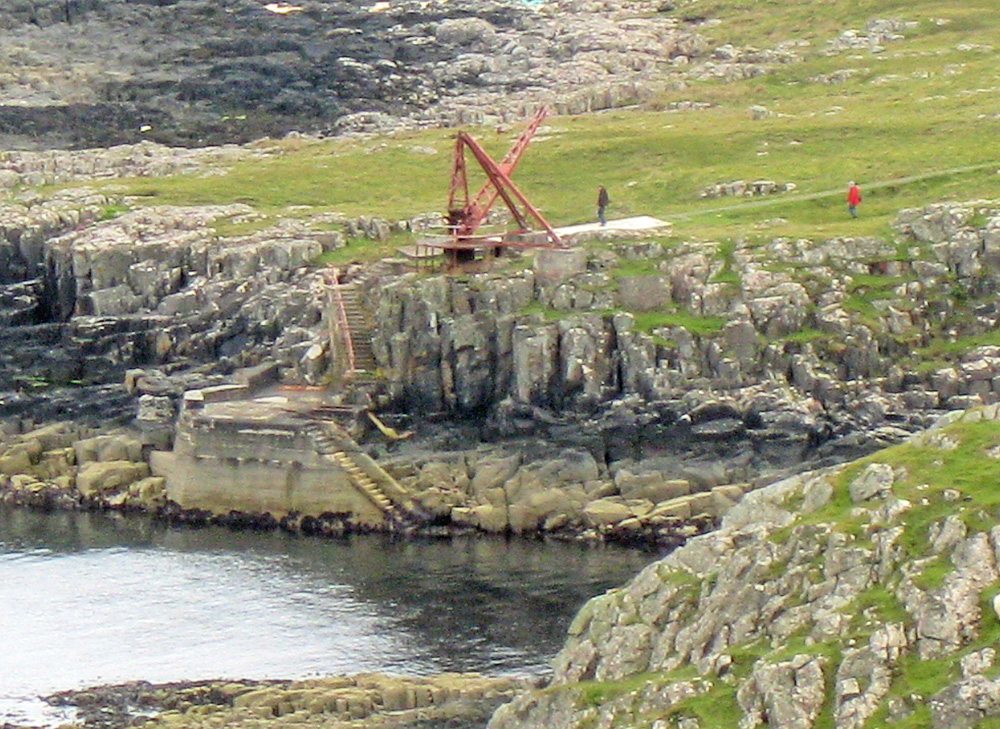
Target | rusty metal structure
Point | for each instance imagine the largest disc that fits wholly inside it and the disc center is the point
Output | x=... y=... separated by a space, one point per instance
x=467 y=210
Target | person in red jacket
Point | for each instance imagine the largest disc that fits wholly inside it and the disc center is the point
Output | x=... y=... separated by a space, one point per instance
x=853 y=198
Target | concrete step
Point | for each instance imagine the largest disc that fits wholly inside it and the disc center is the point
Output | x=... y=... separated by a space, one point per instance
x=368 y=485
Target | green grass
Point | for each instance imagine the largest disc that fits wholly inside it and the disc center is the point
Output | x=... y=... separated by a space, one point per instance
x=648 y=321
x=363 y=250
x=942 y=350
x=113 y=211
x=909 y=125
x=386 y=178
x=594 y=693
x=546 y=313
x=926 y=473
x=914 y=681
x=865 y=290
x=807 y=334
x=727 y=254
x=882 y=602
x=627 y=267
x=934 y=573
x=715 y=709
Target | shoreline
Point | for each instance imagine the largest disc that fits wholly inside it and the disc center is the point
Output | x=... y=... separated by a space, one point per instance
x=455 y=700
x=70 y=467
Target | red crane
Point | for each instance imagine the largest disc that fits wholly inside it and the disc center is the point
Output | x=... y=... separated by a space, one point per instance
x=467 y=212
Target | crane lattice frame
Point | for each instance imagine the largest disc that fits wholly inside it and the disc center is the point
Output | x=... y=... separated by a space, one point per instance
x=466 y=212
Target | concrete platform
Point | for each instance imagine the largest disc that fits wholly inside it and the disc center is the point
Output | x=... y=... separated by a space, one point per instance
x=637 y=223
x=272 y=454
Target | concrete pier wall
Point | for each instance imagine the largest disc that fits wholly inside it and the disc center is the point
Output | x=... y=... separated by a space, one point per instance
x=249 y=458
x=222 y=485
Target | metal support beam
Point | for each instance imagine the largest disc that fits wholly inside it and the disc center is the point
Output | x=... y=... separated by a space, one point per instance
x=465 y=213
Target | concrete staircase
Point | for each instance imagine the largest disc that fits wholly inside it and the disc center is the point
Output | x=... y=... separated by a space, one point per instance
x=367 y=485
x=358 y=329
x=401 y=511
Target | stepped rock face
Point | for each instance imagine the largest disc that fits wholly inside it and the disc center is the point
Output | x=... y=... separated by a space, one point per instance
x=818 y=595
x=465 y=344
x=86 y=299
x=87 y=296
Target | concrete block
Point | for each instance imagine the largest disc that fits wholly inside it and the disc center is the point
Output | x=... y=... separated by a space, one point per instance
x=554 y=264
x=255 y=378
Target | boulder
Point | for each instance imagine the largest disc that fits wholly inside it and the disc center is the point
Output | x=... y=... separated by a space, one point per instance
x=118 y=447
x=652 y=486
x=542 y=507
x=493 y=473
x=874 y=482
x=488 y=517
x=15 y=462
x=103 y=477
x=606 y=512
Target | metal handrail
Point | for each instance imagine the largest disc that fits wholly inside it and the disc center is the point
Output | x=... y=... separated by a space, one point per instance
x=337 y=299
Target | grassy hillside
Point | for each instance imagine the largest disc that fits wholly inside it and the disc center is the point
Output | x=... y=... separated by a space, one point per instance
x=913 y=123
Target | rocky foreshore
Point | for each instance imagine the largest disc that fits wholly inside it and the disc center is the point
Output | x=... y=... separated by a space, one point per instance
x=65 y=466
x=96 y=73
x=451 y=700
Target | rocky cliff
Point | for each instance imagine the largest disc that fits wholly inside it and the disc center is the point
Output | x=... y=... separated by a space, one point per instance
x=792 y=343
x=835 y=319
x=589 y=399
x=859 y=595
x=89 y=290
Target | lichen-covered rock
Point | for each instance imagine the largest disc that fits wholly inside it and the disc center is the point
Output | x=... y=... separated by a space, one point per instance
x=797 y=607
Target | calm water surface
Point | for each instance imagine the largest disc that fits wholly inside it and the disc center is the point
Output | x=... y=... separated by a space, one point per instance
x=91 y=599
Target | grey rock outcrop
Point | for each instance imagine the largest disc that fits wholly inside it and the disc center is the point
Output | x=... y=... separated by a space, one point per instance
x=89 y=73
x=797 y=605
x=464 y=345
x=86 y=295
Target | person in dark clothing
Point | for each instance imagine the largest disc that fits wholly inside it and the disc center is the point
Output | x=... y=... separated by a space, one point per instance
x=602 y=204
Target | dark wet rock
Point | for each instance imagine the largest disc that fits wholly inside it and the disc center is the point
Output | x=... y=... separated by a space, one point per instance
x=96 y=73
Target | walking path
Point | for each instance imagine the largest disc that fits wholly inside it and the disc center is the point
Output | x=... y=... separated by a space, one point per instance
x=795 y=197
x=639 y=222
